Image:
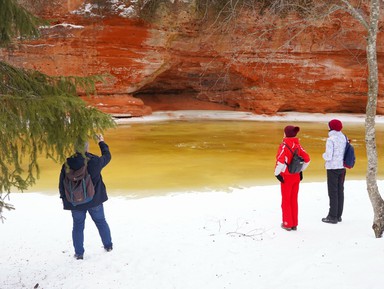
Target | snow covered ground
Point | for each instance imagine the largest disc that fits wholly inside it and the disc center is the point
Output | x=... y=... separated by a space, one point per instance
x=197 y=240
x=238 y=115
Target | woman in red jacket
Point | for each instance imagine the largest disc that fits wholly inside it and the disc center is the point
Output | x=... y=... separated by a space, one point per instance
x=289 y=182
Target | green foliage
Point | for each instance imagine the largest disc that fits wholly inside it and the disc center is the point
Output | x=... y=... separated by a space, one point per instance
x=40 y=115
x=16 y=21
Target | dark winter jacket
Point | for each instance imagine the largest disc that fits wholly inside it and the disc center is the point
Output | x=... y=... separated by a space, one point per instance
x=95 y=165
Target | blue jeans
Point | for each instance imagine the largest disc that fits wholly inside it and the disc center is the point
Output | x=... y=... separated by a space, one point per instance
x=97 y=215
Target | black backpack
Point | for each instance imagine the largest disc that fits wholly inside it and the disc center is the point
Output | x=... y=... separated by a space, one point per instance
x=78 y=186
x=297 y=162
x=349 y=155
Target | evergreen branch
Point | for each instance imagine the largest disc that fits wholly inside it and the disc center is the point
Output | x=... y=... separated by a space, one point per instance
x=16 y=21
x=41 y=115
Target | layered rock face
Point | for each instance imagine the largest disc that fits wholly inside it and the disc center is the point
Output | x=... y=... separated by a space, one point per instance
x=260 y=63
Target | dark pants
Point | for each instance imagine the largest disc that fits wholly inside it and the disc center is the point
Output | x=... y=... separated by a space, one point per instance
x=335 y=181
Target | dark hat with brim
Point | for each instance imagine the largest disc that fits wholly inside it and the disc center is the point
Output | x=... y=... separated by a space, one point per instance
x=291 y=131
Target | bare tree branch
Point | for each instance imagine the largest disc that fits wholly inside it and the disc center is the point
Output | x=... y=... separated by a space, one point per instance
x=358 y=14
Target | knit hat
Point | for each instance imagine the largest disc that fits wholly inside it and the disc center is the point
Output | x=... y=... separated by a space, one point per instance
x=335 y=124
x=291 y=131
x=81 y=146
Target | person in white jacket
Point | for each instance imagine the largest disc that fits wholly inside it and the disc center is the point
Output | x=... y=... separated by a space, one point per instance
x=334 y=164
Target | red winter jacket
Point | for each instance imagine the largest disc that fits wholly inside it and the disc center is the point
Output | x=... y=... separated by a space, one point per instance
x=284 y=155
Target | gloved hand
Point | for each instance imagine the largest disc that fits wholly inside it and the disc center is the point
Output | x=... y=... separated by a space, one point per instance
x=280 y=178
x=301 y=176
x=99 y=138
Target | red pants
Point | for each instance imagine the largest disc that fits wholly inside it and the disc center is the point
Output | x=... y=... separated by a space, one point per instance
x=289 y=205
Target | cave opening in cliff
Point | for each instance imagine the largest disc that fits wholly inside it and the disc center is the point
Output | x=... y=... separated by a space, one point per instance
x=178 y=100
x=182 y=87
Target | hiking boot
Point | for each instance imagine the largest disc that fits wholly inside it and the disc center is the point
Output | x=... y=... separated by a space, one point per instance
x=285 y=228
x=294 y=228
x=329 y=220
x=78 y=257
x=108 y=249
x=339 y=219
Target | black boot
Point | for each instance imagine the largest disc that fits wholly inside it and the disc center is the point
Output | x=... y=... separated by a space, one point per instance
x=285 y=228
x=78 y=257
x=329 y=220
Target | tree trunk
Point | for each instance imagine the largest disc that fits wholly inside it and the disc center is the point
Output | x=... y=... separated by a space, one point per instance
x=370 y=133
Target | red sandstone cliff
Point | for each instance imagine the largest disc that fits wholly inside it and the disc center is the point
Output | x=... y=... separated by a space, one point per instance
x=260 y=63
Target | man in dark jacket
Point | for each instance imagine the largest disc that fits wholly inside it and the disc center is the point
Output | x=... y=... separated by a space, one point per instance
x=95 y=207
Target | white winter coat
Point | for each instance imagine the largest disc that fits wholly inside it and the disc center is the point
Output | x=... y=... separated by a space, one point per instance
x=334 y=150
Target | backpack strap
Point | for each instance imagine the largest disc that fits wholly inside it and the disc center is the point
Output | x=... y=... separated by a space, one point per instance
x=347 y=139
x=289 y=150
x=288 y=147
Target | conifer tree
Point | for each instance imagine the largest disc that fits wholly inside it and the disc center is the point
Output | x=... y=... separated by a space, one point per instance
x=39 y=114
